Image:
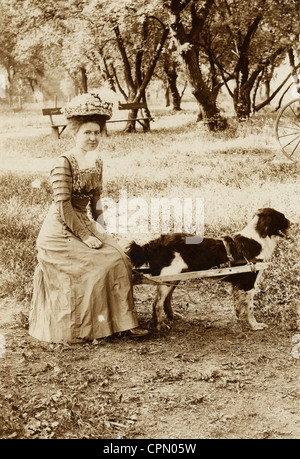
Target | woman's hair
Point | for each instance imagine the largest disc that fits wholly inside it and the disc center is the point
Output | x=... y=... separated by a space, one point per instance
x=75 y=122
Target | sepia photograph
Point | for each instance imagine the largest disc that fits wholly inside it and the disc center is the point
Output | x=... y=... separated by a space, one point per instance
x=149 y=221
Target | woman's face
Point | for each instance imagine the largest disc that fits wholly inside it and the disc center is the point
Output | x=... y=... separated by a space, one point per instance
x=88 y=136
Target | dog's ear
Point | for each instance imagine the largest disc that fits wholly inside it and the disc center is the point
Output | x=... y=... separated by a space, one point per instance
x=263 y=223
x=264 y=211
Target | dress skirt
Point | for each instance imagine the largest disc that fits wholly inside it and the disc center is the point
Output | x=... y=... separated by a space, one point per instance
x=79 y=292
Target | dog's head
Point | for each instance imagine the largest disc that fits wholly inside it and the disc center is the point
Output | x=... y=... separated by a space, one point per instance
x=270 y=223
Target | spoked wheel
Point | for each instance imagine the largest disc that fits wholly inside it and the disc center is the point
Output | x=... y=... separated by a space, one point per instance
x=288 y=129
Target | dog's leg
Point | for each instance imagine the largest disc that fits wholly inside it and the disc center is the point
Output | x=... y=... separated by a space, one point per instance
x=177 y=266
x=168 y=305
x=243 y=302
x=163 y=295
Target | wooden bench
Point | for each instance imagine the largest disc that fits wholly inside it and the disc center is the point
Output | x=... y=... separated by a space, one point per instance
x=56 y=128
x=134 y=106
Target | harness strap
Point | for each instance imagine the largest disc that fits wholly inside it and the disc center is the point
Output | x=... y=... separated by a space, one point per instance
x=228 y=252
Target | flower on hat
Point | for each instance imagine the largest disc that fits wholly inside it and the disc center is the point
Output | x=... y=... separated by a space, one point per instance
x=88 y=104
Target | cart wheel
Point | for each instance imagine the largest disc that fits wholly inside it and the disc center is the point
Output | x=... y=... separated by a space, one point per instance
x=287 y=128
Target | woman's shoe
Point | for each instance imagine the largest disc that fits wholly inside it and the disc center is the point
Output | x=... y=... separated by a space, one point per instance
x=138 y=332
x=133 y=333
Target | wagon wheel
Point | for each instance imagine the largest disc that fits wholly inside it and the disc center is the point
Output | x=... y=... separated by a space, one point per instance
x=287 y=128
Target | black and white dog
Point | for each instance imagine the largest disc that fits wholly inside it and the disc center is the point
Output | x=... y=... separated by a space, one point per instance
x=170 y=254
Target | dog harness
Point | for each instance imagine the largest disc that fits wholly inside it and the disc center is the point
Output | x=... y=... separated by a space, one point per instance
x=228 y=252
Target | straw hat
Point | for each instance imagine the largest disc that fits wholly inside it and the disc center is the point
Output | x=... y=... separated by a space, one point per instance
x=87 y=104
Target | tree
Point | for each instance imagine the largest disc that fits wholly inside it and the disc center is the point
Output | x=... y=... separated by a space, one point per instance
x=121 y=41
x=187 y=21
x=20 y=71
x=244 y=40
x=218 y=41
x=171 y=70
x=139 y=35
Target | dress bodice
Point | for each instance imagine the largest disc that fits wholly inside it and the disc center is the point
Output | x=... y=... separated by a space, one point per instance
x=86 y=183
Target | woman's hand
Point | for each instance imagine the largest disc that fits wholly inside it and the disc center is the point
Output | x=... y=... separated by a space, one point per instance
x=92 y=242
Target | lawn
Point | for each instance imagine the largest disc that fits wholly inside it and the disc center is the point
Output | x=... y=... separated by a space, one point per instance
x=207 y=370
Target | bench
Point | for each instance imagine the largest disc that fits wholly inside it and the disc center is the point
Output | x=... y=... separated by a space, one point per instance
x=56 y=128
x=134 y=106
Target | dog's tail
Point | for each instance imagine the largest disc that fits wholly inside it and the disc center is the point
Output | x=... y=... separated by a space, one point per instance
x=137 y=254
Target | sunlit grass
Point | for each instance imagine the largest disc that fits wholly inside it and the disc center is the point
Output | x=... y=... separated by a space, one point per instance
x=234 y=172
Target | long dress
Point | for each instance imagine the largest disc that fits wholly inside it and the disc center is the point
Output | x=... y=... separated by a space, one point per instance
x=78 y=292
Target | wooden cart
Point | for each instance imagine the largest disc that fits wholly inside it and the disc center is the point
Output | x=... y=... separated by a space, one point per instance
x=287 y=128
x=142 y=276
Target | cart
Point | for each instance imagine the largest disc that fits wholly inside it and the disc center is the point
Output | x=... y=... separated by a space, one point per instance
x=287 y=124
x=142 y=275
x=287 y=128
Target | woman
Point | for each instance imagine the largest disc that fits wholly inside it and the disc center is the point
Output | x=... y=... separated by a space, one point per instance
x=83 y=280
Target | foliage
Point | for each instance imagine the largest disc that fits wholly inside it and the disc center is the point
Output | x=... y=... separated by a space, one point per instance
x=259 y=38
x=221 y=42
x=225 y=41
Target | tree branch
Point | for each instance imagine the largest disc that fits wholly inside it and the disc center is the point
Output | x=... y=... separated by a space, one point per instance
x=198 y=20
x=140 y=53
x=269 y=99
x=282 y=96
x=151 y=67
x=122 y=50
x=243 y=49
x=118 y=83
x=177 y=6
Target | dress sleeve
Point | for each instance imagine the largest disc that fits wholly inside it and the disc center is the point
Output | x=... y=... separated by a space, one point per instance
x=61 y=180
x=96 y=209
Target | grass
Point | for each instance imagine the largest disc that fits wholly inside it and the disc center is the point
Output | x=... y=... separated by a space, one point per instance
x=235 y=172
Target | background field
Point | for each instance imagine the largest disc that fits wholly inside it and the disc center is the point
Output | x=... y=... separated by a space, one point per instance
x=208 y=377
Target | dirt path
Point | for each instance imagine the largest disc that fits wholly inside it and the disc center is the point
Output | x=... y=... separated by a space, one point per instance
x=205 y=378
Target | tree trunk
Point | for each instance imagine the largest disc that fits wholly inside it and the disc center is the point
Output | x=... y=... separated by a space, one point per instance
x=205 y=98
x=267 y=85
x=188 y=45
x=167 y=95
x=176 y=100
x=242 y=103
x=137 y=87
x=130 y=125
x=146 y=114
x=84 y=80
x=170 y=71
